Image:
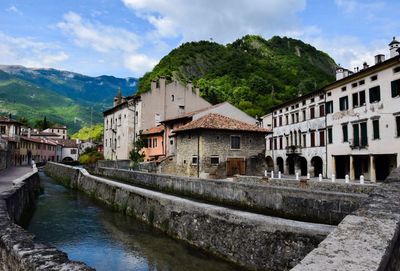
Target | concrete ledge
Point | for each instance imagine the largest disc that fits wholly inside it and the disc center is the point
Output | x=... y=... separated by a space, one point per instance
x=274 y=198
x=18 y=249
x=366 y=240
x=251 y=240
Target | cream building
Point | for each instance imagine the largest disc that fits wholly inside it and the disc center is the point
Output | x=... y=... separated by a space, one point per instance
x=298 y=141
x=130 y=115
x=350 y=127
x=365 y=121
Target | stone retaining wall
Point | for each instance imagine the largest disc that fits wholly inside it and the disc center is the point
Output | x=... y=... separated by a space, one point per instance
x=123 y=164
x=18 y=249
x=366 y=240
x=251 y=240
x=319 y=203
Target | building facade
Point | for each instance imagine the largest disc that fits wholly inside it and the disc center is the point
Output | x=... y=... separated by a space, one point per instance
x=215 y=146
x=365 y=120
x=60 y=132
x=131 y=115
x=349 y=127
x=298 y=141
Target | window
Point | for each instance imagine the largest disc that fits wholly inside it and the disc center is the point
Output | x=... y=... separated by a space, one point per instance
x=396 y=69
x=329 y=94
x=303 y=102
x=304 y=140
x=375 y=125
x=287 y=119
x=330 y=137
x=374 y=78
x=374 y=94
x=359 y=99
x=395 y=88
x=398 y=125
x=171 y=142
x=194 y=160
x=275 y=122
x=280 y=120
x=154 y=142
x=322 y=110
x=360 y=136
x=345 y=133
x=312 y=136
x=344 y=103
x=275 y=144
x=321 y=97
x=281 y=143
x=297 y=117
x=344 y=88
x=235 y=142
x=304 y=115
x=312 y=100
x=329 y=107
x=73 y=151
x=214 y=160
x=2 y=130
x=322 y=138
x=312 y=112
x=172 y=98
x=362 y=82
x=354 y=85
x=270 y=144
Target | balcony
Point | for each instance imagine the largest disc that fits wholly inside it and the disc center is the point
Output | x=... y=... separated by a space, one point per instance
x=293 y=150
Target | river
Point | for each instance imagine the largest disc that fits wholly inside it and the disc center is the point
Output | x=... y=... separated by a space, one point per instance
x=90 y=232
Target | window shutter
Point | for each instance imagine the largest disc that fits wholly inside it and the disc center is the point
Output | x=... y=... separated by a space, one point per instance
x=364 y=135
x=395 y=88
x=356 y=135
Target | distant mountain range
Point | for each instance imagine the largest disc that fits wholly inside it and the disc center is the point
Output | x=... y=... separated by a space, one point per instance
x=63 y=97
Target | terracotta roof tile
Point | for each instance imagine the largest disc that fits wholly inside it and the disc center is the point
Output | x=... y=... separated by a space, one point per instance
x=214 y=121
x=154 y=130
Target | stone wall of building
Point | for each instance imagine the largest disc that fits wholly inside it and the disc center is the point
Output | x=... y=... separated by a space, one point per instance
x=307 y=202
x=366 y=240
x=18 y=249
x=251 y=240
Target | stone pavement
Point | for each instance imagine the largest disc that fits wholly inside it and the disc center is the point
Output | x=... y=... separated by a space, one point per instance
x=8 y=175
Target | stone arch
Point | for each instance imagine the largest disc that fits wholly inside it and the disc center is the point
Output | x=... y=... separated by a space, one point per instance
x=317 y=165
x=290 y=163
x=269 y=163
x=302 y=165
x=67 y=159
x=280 y=164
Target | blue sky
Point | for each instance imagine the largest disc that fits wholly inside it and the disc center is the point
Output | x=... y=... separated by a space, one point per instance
x=128 y=37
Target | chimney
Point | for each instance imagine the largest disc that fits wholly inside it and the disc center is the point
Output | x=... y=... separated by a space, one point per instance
x=190 y=86
x=29 y=132
x=379 y=58
x=153 y=85
x=394 y=47
x=339 y=73
x=365 y=65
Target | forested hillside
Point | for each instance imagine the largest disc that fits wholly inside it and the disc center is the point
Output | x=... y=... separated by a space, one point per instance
x=251 y=73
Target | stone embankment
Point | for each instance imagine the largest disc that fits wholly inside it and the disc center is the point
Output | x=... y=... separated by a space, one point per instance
x=251 y=240
x=18 y=249
x=368 y=239
x=319 y=202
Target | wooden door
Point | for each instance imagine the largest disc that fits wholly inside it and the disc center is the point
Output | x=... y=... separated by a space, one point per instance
x=235 y=166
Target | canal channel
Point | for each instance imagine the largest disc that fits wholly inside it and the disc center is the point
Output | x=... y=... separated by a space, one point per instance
x=92 y=233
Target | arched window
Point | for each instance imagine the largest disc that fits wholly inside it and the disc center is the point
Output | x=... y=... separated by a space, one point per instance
x=172 y=98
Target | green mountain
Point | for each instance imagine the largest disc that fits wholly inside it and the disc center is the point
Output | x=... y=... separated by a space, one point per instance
x=251 y=73
x=63 y=97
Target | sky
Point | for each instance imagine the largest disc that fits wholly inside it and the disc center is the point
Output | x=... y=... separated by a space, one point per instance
x=126 y=38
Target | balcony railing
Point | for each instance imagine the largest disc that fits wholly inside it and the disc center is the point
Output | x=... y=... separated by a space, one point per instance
x=293 y=149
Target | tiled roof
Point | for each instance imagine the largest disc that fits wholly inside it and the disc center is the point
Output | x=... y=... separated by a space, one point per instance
x=191 y=114
x=154 y=130
x=7 y=119
x=66 y=143
x=38 y=140
x=214 y=121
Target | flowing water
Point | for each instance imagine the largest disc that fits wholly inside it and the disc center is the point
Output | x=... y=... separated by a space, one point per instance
x=89 y=232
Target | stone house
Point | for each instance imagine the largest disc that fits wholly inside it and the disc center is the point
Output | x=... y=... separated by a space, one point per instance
x=131 y=115
x=216 y=146
x=225 y=109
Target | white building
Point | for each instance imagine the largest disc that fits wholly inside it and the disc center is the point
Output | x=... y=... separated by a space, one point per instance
x=130 y=115
x=60 y=131
x=298 y=141
x=350 y=127
x=364 y=123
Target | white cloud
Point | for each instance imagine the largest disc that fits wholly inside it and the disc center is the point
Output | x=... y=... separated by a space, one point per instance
x=99 y=37
x=14 y=9
x=223 y=20
x=29 y=52
x=139 y=63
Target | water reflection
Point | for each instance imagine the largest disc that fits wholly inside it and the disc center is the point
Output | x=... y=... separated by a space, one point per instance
x=91 y=233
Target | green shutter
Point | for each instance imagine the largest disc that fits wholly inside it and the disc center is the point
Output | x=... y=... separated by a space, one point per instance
x=345 y=133
x=356 y=135
x=395 y=88
x=364 y=135
x=375 y=125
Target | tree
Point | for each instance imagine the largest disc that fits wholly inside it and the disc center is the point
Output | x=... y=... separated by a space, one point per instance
x=24 y=121
x=135 y=155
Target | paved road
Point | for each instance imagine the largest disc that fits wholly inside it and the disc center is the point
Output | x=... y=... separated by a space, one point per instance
x=9 y=175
